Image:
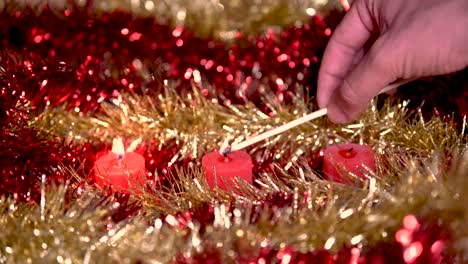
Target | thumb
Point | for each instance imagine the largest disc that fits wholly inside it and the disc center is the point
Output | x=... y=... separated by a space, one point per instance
x=363 y=83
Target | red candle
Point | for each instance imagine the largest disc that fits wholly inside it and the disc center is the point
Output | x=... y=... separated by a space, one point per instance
x=220 y=169
x=342 y=158
x=123 y=170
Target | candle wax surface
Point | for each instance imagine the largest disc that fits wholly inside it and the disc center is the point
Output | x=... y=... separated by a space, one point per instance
x=342 y=158
x=127 y=173
x=235 y=164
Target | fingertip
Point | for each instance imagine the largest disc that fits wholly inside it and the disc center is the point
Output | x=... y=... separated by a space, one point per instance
x=337 y=114
x=348 y=101
x=322 y=102
x=362 y=84
x=322 y=98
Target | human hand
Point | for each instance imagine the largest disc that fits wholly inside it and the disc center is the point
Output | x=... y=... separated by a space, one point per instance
x=413 y=39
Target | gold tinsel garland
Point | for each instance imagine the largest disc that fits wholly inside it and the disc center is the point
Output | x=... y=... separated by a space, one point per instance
x=83 y=231
x=413 y=177
x=198 y=124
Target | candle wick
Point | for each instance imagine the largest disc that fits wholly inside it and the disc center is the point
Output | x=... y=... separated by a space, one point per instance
x=120 y=157
x=226 y=151
x=350 y=150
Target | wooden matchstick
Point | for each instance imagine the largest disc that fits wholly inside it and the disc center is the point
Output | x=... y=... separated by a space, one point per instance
x=299 y=121
x=279 y=129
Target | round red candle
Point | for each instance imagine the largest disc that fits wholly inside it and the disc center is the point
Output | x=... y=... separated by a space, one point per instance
x=123 y=170
x=342 y=158
x=220 y=169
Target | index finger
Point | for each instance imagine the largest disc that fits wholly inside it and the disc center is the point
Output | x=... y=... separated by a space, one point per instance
x=346 y=42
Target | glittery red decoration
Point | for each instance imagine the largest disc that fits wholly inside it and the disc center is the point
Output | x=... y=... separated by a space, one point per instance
x=421 y=242
x=26 y=157
x=86 y=60
x=429 y=237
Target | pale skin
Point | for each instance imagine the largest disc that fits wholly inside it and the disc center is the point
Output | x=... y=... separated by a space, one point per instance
x=381 y=41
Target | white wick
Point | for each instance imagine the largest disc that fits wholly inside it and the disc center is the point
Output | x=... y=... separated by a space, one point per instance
x=118 y=148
